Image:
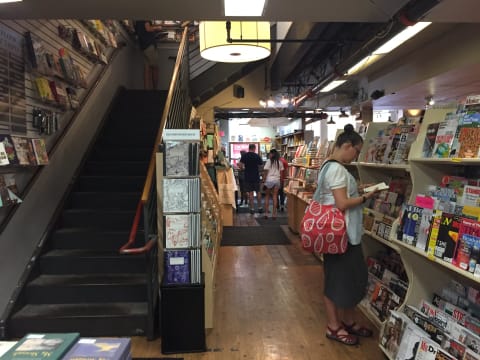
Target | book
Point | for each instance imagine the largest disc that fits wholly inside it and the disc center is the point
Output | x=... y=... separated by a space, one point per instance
x=433 y=235
x=5 y=346
x=424 y=229
x=471 y=196
x=99 y=349
x=3 y=155
x=429 y=142
x=180 y=230
x=40 y=150
x=177 y=267
x=447 y=237
x=428 y=350
x=469 y=139
x=412 y=335
x=24 y=150
x=407 y=134
x=411 y=224
x=36 y=346
x=181 y=195
x=380 y=186
x=443 y=140
x=10 y=152
x=181 y=158
x=392 y=333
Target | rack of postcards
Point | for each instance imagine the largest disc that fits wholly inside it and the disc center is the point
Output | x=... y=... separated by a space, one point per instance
x=181 y=207
x=182 y=327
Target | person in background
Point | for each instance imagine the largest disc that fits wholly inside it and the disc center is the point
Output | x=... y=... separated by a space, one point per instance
x=251 y=162
x=271 y=181
x=346 y=275
x=147 y=33
x=283 y=177
x=241 y=182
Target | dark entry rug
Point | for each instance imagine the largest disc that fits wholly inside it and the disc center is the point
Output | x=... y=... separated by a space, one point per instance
x=269 y=222
x=253 y=235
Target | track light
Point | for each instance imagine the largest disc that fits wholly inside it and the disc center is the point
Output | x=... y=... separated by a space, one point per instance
x=343 y=114
x=430 y=101
x=331 y=122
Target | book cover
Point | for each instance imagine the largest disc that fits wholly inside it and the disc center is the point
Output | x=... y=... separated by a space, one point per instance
x=99 y=349
x=469 y=139
x=177 y=267
x=42 y=346
x=447 y=237
x=177 y=230
x=471 y=196
x=428 y=350
x=412 y=335
x=181 y=195
x=40 y=150
x=432 y=237
x=424 y=229
x=406 y=138
x=392 y=332
x=10 y=152
x=24 y=150
x=411 y=224
x=443 y=140
x=177 y=158
x=429 y=142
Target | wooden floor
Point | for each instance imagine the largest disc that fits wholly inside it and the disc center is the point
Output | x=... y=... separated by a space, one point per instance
x=268 y=306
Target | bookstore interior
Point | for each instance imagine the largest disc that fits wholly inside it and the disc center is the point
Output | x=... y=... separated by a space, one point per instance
x=426 y=217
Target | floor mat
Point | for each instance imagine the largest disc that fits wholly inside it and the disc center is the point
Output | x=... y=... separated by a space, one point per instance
x=253 y=235
x=269 y=222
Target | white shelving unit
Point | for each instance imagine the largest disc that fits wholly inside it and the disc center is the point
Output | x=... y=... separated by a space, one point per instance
x=426 y=274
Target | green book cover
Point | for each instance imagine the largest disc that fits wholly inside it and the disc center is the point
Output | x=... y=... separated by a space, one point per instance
x=37 y=346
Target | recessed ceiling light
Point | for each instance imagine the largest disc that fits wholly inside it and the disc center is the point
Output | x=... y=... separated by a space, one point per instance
x=244 y=7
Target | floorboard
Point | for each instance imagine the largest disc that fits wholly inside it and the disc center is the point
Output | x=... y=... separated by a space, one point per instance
x=268 y=305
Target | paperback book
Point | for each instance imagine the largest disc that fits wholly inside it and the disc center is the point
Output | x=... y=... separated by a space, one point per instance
x=177 y=266
x=51 y=346
x=100 y=349
x=429 y=142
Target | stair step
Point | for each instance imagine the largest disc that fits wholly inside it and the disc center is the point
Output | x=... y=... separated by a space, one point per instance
x=106 y=183
x=58 y=289
x=94 y=239
x=99 y=218
x=121 y=153
x=104 y=200
x=136 y=168
x=89 y=319
x=79 y=261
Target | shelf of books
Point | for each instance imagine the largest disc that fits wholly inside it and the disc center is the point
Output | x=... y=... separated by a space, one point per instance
x=292 y=144
x=180 y=199
x=435 y=232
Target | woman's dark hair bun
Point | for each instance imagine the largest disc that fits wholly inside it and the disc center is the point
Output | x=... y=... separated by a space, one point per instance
x=348 y=128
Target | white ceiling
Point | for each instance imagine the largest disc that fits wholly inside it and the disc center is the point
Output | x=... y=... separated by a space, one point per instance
x=276 y=10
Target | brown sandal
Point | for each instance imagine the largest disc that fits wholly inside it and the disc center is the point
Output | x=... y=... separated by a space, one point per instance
x=360 y=331
x=346 y=339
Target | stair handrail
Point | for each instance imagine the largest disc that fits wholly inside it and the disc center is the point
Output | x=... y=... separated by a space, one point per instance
x=168 y=114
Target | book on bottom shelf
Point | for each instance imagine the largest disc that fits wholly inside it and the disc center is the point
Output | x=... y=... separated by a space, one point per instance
x=36 y=346
x=177 y=267
x=100 y=349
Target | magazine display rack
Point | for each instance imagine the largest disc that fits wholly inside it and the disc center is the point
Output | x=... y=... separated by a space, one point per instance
x=182 y=287
x=427 y=274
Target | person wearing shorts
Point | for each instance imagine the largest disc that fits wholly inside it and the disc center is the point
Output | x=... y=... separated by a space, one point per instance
x=251 y=162
x=272 y=174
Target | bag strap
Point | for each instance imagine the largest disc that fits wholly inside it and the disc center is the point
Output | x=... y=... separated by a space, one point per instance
x=322 y=175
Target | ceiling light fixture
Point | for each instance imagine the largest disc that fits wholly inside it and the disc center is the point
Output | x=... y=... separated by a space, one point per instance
x=332 y=85
x=343 y=114
x=430 y=101
x=244 y=7
x=214 y=41
x=391 y=44
x=331 y=122
x=9 y=1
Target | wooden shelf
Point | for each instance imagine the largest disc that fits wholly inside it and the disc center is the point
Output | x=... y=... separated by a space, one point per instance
x=405 y=167
x=388 y=243
x=449 y=161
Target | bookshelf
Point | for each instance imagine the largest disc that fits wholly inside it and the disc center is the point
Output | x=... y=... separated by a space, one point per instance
x=289 y=143
x=426 y=273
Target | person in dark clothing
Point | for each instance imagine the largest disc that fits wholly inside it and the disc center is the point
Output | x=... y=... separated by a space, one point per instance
x=147 y=33
x=251 y=162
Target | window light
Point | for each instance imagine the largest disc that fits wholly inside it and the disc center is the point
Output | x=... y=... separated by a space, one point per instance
x=244 y=7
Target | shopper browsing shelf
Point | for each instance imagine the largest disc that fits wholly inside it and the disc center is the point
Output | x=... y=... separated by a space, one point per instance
x=345 y=275
x=283 y=177
x=271 y=175
x=251 y=163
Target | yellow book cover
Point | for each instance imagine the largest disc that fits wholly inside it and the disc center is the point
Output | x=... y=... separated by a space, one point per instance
x=432 y=238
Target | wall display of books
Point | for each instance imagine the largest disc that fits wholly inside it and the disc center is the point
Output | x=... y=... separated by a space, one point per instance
x=181 y=207
x=20 y=150
x=12 y=82
x=435 y=231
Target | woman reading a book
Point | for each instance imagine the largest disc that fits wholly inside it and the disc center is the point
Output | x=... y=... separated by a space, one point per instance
x=346 y=274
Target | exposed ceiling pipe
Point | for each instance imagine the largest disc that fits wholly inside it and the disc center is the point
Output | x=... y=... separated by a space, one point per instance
x=409 y=15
